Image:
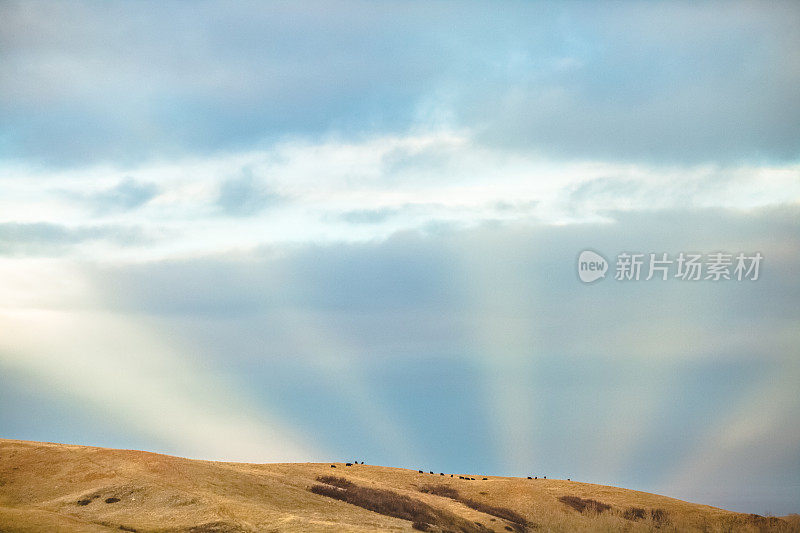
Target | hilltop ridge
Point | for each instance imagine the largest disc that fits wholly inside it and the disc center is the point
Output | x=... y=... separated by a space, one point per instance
x=60 y=487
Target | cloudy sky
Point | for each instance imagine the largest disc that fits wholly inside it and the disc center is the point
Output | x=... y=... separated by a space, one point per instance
x=349 y=230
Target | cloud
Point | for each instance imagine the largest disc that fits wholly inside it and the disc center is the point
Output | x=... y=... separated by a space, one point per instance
x=635 y=92
x=43 y=238
x=126 y=195
x=570 y=82
x=368 y=216
x=245 y=195
x=338 y=191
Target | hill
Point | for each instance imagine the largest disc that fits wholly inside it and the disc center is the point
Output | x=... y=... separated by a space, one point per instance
x=58 y=487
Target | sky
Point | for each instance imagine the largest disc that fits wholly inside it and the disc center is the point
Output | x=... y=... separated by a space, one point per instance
x=318 y=231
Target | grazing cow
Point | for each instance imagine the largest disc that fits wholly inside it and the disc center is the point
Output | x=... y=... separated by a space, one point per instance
x=460 y=477
x=536 y=477
x=348 y=464
x=544 y=477
x=333 y=466
x=420 y=471
x=451 y=475
x=568 y=479
x=431 y=471
x=529 y=477
x=441 y=473
x=486 y=478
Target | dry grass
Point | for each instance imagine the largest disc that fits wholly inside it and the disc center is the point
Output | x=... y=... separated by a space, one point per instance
x=440 y=490
x=517 y=521
x=42 y=484
x=634 y=513
x=659 y=516
x=584 y=505
x=386 y=502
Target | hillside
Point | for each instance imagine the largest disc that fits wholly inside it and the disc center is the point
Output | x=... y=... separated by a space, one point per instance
x=58 y=487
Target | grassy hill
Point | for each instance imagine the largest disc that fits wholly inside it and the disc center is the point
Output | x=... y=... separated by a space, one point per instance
x=58 y=487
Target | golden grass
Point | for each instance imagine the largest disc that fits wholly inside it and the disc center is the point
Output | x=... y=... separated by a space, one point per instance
x=56 y=487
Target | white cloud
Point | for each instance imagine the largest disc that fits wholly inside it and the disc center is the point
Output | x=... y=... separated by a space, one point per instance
x=433 y=178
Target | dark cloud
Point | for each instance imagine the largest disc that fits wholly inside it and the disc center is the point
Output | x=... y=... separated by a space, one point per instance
x=413 y=270
x=675 y=83
x=665 y=83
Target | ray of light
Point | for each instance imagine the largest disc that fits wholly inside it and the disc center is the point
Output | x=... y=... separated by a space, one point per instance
x=152 y=384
